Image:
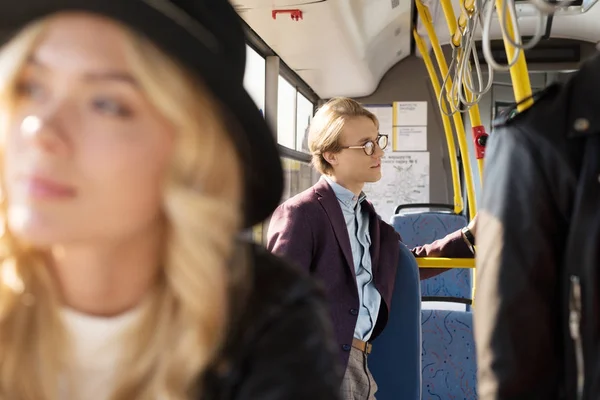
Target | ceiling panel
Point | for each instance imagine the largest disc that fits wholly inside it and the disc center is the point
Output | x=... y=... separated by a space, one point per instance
x=344 y=47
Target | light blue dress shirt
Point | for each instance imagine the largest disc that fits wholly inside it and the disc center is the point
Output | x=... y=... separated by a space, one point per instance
x=357 y=223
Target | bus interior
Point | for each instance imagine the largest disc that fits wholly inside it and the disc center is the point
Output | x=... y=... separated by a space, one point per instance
x=437 y=73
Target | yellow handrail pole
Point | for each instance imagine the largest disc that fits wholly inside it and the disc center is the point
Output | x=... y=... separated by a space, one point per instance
x=455 y=34
x=441 y=262
x=450 y=18
x=458 y=123
x=458 y=200
x=480 y=169
x=518 y=72
x=475 y=118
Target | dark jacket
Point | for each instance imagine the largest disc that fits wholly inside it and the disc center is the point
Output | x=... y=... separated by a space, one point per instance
x=280 y=344
x=537 y=300
x=309 y=229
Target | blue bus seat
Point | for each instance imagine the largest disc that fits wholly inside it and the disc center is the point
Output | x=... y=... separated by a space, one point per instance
x=395 y=361
x=417 y=229
x=448 y=355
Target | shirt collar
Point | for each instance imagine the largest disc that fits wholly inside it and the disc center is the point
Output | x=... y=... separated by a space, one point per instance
x=345 y=195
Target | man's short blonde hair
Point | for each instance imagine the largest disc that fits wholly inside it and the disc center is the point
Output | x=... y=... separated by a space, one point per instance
x=327 y=125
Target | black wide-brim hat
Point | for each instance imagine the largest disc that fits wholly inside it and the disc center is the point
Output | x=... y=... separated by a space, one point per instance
x=207 y=37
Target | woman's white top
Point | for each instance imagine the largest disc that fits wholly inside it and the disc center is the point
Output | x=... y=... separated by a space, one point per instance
x=96 y=350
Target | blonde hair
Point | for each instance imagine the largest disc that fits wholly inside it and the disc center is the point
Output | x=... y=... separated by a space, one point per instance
x=184 y=323
x=326 y=128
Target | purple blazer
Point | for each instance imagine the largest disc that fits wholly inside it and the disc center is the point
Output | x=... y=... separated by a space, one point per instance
x=309 y=230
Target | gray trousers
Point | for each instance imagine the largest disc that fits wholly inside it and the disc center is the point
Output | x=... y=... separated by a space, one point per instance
x=358 y=383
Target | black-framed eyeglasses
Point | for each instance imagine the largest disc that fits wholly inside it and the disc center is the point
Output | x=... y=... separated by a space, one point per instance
x=369 y=147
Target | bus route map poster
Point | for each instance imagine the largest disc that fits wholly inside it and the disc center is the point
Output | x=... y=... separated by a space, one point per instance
x=405 y=180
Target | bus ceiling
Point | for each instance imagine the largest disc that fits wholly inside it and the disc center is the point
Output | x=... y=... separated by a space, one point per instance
x=345 y=47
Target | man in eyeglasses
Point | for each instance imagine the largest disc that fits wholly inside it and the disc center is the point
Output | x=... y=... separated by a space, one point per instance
x=332 y=232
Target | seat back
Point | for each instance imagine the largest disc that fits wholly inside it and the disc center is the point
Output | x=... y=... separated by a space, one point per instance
x=395 y=361
x=448 y=355
x=417 y=229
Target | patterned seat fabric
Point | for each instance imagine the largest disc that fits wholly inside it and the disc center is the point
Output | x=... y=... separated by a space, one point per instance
x=417 y=229
x=448 y=355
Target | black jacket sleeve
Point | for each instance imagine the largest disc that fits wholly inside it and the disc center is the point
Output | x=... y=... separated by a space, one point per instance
x=282 y=345
x=293 y=359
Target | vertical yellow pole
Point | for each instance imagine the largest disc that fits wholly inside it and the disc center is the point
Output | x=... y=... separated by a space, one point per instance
x=518 y=72
x=458 y=200
x=458 y=122
x=474 y=114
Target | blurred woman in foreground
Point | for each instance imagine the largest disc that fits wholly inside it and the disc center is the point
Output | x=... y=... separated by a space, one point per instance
x=132 y=158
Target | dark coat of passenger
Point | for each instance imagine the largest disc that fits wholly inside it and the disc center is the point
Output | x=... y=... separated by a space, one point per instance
x=537 y=312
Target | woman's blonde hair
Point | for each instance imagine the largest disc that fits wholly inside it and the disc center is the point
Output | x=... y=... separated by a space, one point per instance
x=326 y=128
x=185 y=321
